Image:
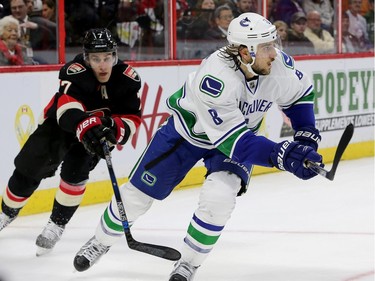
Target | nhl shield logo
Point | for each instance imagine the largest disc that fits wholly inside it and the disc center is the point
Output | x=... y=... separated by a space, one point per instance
x=75 y=68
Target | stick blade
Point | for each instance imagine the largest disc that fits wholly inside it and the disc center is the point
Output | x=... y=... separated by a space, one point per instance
x=163 y=252
x=343 y=143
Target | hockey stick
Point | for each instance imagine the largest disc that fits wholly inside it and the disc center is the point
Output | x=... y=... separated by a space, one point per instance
x=155 y=250
x=343 y=143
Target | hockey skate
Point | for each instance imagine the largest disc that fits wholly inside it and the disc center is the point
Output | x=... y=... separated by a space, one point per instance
x=5 y=220
x=50 y=235
x=89 y=254
x=183 y=271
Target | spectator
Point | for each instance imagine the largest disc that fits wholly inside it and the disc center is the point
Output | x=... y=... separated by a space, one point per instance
x=19 y=10
x=49 y=10
x=44 y=36
x=81 y=16
x=350 y=43
x=282 y=32
x=203 y=21
x=321 y=38
x=230 y=3
x=49 y=13
x=184 y=19
x=107 y=10
x=284 y=10
x=223 y=16
x=245 y=6
x=324 y=7
x=128 y=30
x=11 y=52
x=272 y=10
x=298 y=43
x=30 y=5
x=369 y=16
x=357 y=23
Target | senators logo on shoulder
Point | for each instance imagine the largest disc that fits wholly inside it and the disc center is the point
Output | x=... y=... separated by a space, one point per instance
x=75 y=68
x=131 y=73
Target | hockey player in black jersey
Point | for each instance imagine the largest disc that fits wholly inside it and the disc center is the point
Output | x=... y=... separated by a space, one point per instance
x=97 y=98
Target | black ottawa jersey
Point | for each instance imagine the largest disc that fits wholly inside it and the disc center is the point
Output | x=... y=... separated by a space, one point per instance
x=81 y=94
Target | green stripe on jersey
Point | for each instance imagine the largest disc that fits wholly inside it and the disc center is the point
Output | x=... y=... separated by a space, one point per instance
x=307 y=99
x=188 y=117
x=227 y=145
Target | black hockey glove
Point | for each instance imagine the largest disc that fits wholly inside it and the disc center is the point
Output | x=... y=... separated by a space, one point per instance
x=291 y=157
x=308 y=136
x=119 y=128
x=90 y=132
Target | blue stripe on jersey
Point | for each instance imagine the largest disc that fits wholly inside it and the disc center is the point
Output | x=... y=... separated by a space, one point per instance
x=207 y=225
x=230 y=132
x=308 y=91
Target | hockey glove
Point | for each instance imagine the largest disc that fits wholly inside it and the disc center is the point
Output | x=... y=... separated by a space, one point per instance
x=291 y=157
x=90 y=132
x=119 y=128
x=308 y=136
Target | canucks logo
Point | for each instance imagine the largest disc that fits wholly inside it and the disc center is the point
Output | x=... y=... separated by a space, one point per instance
x=288 y=60
x=245 y=22
x=148 y=178
x=211 y=86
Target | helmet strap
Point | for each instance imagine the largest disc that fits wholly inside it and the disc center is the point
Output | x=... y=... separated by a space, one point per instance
x=248 y=65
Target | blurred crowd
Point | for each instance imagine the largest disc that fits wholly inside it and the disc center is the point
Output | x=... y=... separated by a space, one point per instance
x=28 y=27
x=304 y=26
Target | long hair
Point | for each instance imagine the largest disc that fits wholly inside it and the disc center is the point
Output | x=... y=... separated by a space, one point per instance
x=230 y=53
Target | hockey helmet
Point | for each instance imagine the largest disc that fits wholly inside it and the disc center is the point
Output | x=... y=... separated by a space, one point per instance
x=250 y=30
x=99 y=40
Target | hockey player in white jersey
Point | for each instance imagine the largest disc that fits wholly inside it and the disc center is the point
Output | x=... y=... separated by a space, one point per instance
x=215 y=117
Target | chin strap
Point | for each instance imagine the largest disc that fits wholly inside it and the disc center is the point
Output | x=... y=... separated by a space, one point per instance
x=248 y=65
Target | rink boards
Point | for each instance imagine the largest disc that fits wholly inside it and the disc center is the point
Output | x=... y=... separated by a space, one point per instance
x=344 y=94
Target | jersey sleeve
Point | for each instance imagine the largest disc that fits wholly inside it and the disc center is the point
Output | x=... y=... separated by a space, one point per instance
x=297 y=97
x=74 y=83
x=128 y=107
x=296 y=85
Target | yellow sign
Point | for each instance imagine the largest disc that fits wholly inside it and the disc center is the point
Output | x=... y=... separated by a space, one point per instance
x=24 y=119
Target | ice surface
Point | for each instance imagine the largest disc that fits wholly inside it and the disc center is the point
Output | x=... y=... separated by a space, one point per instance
x=283 y=229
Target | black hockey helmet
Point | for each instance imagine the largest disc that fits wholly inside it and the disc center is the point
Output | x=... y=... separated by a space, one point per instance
x=98 y=40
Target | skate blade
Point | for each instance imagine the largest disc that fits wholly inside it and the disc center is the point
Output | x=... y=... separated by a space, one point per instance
x=42 y=251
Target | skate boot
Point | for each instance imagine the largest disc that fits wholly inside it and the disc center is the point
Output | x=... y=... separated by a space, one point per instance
x=5 y=220
x=183 y=271
x=89 y=254
x=50 y=235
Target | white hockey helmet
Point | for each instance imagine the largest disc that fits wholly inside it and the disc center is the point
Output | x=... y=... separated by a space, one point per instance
x=250 y=30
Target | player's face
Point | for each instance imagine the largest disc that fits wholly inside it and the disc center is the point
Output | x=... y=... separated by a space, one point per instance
x=265 y=55
x=101 y=64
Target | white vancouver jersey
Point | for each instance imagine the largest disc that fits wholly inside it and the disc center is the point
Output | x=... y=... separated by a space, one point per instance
x=217 y=105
